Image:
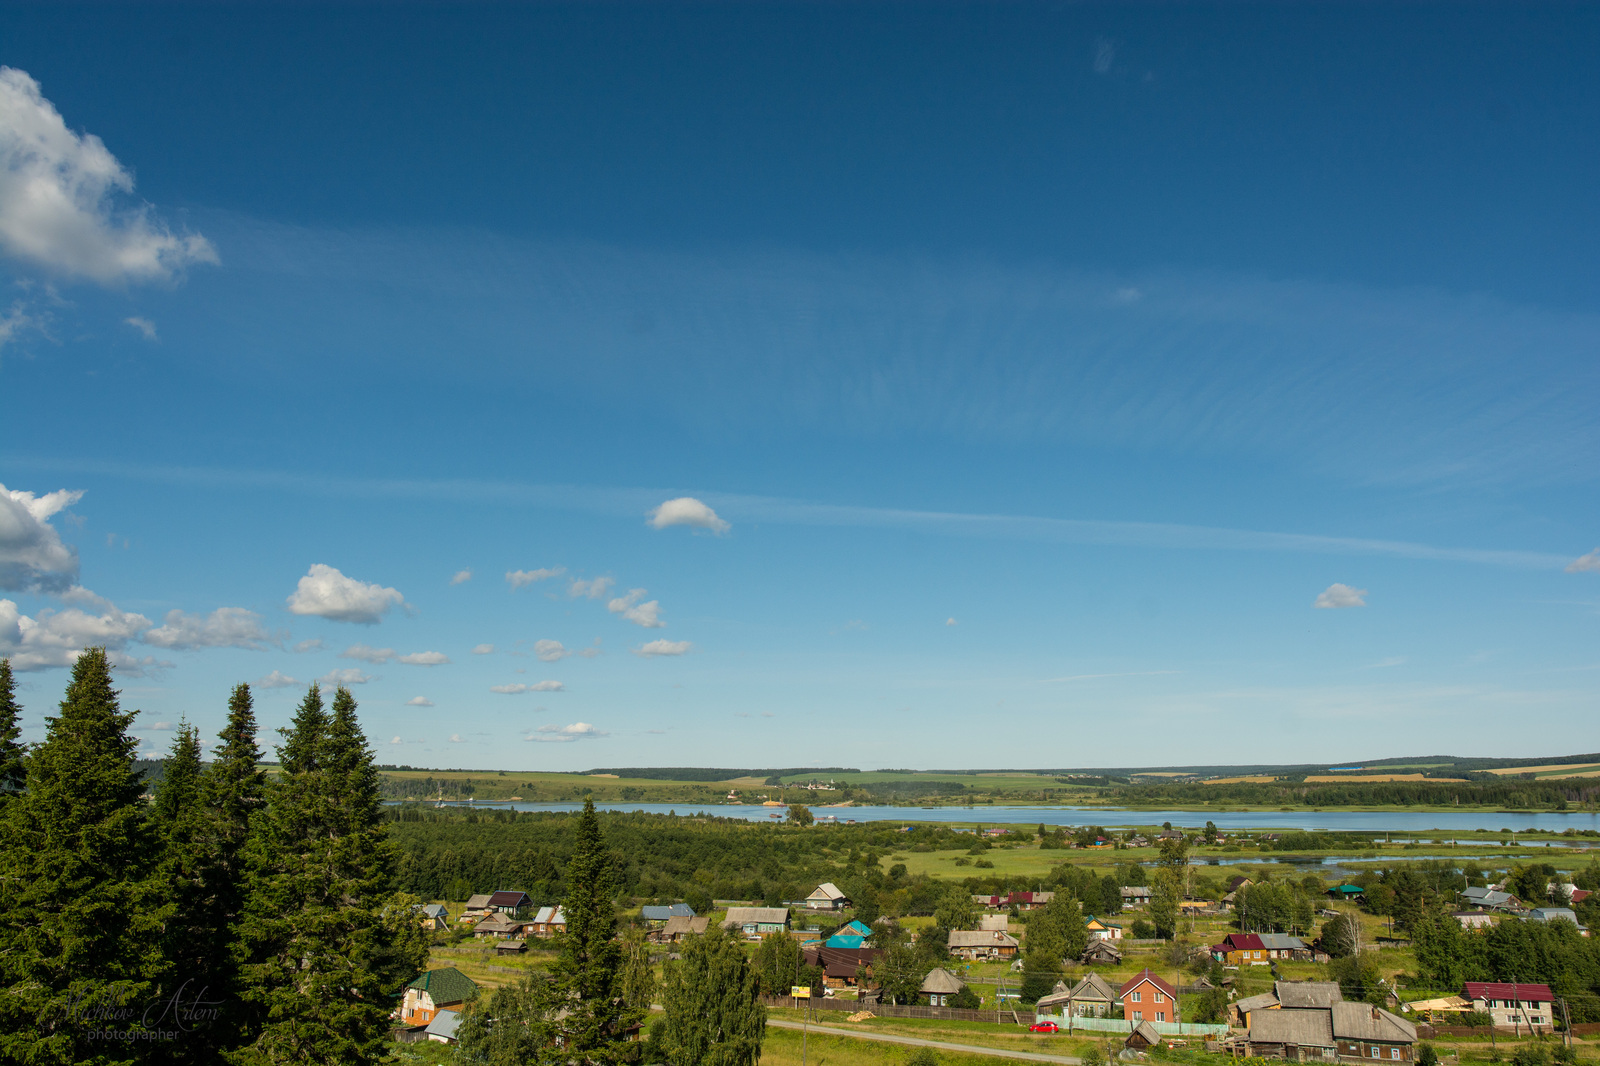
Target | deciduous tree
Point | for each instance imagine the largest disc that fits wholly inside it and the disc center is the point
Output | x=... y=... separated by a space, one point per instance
x=714 y=1017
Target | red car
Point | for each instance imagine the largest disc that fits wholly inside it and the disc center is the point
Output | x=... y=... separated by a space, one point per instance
x=1044 y=1027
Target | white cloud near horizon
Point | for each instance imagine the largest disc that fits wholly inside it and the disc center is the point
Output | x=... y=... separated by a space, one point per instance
x=225 y=627
x=550 y=651
x=327 y=593
x=564 y=734
x=518 y=578
x=32 y=556
x=419 y=701
x=347 y=675
x=276 y=679
x=521 y=687
x=424 y=658
x=1589 y=562
x=1337 y=596
x=687 y=511
x=59 y=193
x=55 y=638
x=663 y=647
x=461 y=577
x=595 y=590
x=647 y=614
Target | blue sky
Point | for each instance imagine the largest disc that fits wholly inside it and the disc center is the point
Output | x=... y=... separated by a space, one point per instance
x=1022 y=377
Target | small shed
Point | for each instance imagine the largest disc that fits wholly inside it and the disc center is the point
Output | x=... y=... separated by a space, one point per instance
x=1144 y=1035
x=442 y=1030
x=511 y=947
x=939 y=986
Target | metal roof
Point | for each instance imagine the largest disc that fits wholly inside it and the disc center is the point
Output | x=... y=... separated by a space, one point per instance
x=1358 y=1021
x=1303 y=994
x=1528 y=993
x=1307 y=1028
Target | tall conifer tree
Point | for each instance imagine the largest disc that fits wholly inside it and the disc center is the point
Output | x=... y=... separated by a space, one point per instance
x=330 y=945
x=79 y=935
x=587 y=971
x=12 y=770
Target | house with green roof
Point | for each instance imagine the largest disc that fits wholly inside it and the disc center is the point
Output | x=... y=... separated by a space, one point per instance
x=446 y=988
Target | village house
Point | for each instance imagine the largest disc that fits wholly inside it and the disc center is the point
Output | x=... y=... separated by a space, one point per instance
x=1102 y=953
x=677 y=928
x=442 y=1030
x=509 y=901
x=1239 y=1012
x=432 y=915
x=852 y=934
x=827 y=897
x=434 y=991
x=1367 y=1032
x=1102 y=930
x=1147 y=998
x=1241 y=949
x=1556 y=914
x=1135 y=896
x=656 y=916
x=841 y=967
x=1473 y=919
x=1284 y=946
x=497 y=926
x=548 y=922
x=975 y=944
x=1514 y=1005
x=1308 y=995
x=939 y=986
x=1312 y=1023
x=1491 y=899
x=756 y=922
x=1091 y=997
x=991 y=923
x=477 y=906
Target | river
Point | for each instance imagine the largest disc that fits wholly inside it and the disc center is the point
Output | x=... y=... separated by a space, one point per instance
x=1442 y=823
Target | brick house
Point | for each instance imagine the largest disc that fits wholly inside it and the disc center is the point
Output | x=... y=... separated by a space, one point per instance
x=1147 y=998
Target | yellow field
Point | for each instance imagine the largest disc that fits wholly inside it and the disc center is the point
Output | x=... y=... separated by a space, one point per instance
x=1324 y=779
x=1258 y=779
x=1579 y=769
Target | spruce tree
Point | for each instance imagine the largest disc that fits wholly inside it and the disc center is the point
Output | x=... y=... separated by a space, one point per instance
x=714 y=1016
x=79 y=926
x=12 y=768
x=178 y=793
x=587 y=971
x=329 y=945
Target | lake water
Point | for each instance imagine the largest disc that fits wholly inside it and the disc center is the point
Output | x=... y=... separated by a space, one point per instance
x=1442 y=823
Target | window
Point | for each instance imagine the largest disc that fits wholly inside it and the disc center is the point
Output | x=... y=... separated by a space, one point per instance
x=1138 y=1015
x=1161 y=1015
x=1373 y=1052
x=1394 y=1053
x=1136 y=997
x=1160 y=998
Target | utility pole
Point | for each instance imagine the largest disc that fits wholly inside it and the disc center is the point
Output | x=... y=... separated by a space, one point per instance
x=1566 y=1018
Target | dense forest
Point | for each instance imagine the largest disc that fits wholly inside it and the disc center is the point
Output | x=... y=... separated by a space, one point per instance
x=1513 y=793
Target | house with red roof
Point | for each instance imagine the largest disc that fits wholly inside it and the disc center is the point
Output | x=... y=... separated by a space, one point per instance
x=1513 y=1004
x=1241 y=949
x=1147 y=998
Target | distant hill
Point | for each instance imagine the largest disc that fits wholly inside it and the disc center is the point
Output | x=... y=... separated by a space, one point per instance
x=713 y=773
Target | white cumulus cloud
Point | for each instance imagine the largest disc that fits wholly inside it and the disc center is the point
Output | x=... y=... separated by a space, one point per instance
x=518 y=578
x=146 y=328
x=348 y=675
x=950 y=622
x=521 y=687
x=58 y=200
x=225 y=627
x=55 y=638
x=461 y=577
x=483 y=649
x=32 y=557
x=276 y=679
x=687 y=511
x=367 y=654
x=396 y=740
x=419 y=701
x=424 y=658
x=564 y=734
x=647 y=615
x=663 y=647
x=455 y=738
x=550 y=651
x=315 y=644
x=1589 y=562
x=327 y=593
x=594 y=590
x=1337 y=595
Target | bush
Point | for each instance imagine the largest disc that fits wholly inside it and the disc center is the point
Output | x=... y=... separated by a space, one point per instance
x=983 y=864
x=966 y=999
x=1531 y=1055
x=922 y=1056
x=1426 y=1056
x=1142 y=930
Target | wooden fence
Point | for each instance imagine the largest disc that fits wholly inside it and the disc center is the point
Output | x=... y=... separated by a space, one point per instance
x=1433 y=1032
